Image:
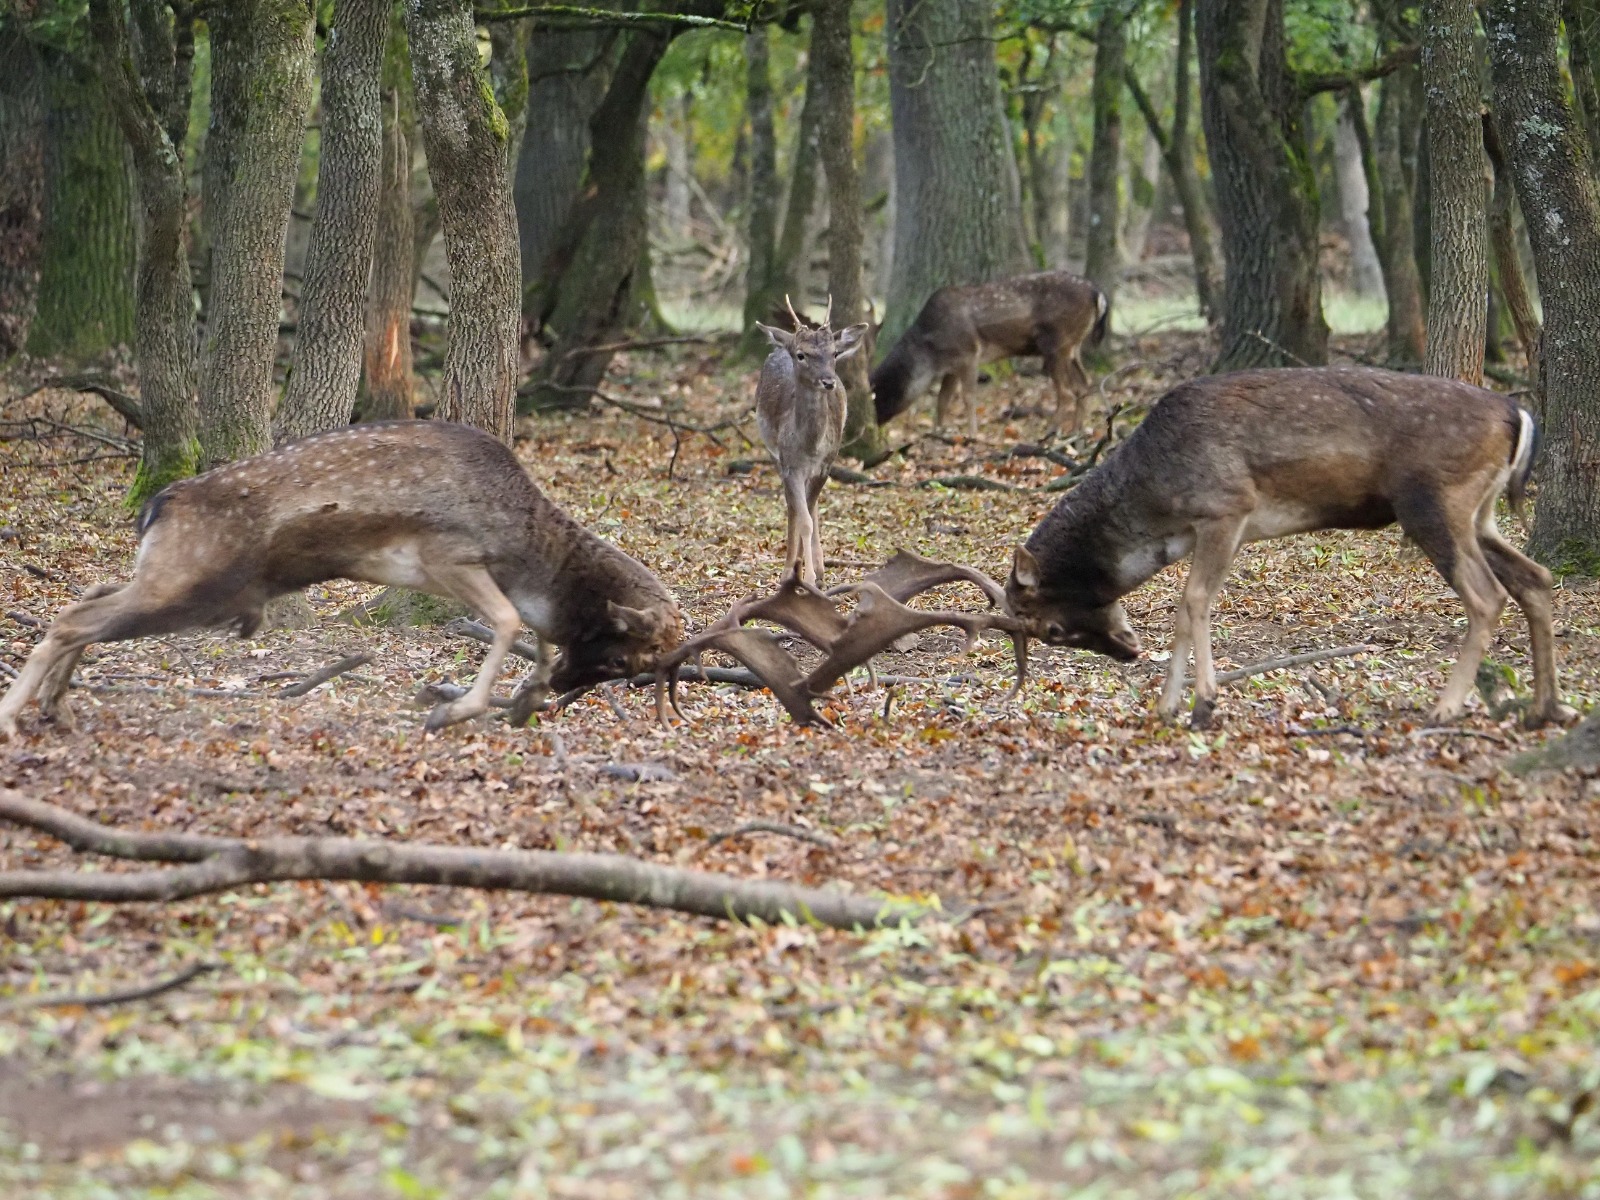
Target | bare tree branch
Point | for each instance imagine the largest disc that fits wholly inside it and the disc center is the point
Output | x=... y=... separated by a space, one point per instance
x=106 y=999
x=1290 y=660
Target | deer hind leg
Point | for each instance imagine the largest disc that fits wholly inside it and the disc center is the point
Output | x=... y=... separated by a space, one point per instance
x=1215 y=544
x=1453 y=548
x=474 y=587
x=1529 y=585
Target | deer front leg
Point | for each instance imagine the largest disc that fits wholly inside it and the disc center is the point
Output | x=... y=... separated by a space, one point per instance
x=942 y=403
x=535 y=689
x=969 y=390
x=474 y=587
x=1215 y=545
x=802 y=530
x=813 y=493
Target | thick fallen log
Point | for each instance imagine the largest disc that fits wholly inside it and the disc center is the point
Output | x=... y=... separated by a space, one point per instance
x=218 y=864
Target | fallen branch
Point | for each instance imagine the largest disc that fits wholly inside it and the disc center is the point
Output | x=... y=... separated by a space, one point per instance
x=218 y=864
x=479 y=632
x=1289 y=660
x=332 y=671
x=972 y=483
x=106 y=999
x=640 y=344
x=782 y=830
x=123 y=404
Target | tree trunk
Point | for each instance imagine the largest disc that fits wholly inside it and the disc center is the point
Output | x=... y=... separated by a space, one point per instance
x=328 y=349
x=677 y=131
x=1583 y=49
x=1550 y=163
x=833 y=76
x=763 y=203
x=465 y=135
x=590 y=295
x=787 y=277
x=1458 y=300
x=566 y=81
x=1406 y=331
x=1144 y=179
x=22 y=121
x=86 y=265
x=1056 y=237
x=164 y=327
x=1503 y=240
x=261 y=55
x=958 y=215
x=508 y=72
x=1266 y=192
x=1101 y=259
x=1366 y=273
x=387 y=350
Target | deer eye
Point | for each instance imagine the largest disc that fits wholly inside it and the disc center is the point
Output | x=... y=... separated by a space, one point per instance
x=800 y=355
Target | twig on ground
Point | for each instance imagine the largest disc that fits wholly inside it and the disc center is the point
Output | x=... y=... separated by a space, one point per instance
x=218 y=864
x=972 y=483
x=479 y=632
x=1445 y=731
x=777 y=827
x=106 y=999
x=639 y=344
x=332 y=671
x=1289 y=660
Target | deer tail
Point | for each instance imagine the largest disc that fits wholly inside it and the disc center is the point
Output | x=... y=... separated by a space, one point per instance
x=1102 y=319
x=1523 y=452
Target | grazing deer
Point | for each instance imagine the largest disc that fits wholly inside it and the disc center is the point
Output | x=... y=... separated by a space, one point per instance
x=438 y=507
x=800 y=410
x=1052 y=314
x=1264 y=454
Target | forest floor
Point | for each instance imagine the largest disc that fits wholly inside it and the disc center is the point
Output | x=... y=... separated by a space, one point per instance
x=1320 y=950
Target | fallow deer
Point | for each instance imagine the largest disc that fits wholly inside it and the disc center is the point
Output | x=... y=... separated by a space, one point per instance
x=442 y=508
x=800 y=410
x=1263 y=454
x=1053 y=314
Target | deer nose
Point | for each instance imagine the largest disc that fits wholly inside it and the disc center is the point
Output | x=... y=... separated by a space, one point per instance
x=829 y=384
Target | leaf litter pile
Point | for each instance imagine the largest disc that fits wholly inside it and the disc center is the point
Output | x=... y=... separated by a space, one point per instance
x=1322 y=948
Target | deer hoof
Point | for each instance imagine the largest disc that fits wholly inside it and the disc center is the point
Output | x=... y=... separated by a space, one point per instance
x=1204 y=710
x=1555 y=714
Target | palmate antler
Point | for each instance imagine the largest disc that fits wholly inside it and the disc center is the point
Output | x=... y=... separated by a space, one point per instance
x=847 y=640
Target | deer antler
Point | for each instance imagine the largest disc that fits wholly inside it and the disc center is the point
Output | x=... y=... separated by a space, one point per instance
x=827 y=317
x=793 y=316
x=847 y=641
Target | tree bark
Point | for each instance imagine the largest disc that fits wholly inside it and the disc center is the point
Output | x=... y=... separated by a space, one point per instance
x=763 y=184
x=465 y=135
x=567 y=76
x=1503 y=240
x=1266 y=192
x=1405 y=327
x=386 y=358
x=958 y=199
x=326 y=369
x=833 y=75
x=21 y=185
x=261 y=55
x=1583 y=51
x=164 y=324
x=1458 y=301
x=1350 y=173
x=1102 y=262
x=590 y=294
x=1550 y=163
x=508 y=72
x=787 y=276
x=86 y=265
x=1144 y=179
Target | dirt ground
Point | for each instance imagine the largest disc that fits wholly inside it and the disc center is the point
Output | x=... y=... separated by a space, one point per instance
x=1321 y=949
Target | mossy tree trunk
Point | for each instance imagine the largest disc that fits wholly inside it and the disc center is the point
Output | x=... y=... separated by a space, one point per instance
x=1583 y=56
x=833 y=75
x=1102 y=254
x=763 y=176
x=1458 y=309
x=387 y=351
x=1393 y=227
x=261 y=61
x=164 y=325
x=1266 y=193
x=465 y=135
x=21 y=184
x=957 y=193
x=508 y=73
x=86 y=265
x=1550 y=163
x=1513 y=286
x=326 y=370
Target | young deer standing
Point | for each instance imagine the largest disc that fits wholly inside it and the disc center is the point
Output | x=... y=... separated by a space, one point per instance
x=442 y=508
x=1263 y=454
x=1052 y=314
x=800 y=410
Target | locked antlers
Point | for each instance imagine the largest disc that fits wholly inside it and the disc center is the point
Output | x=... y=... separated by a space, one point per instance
x=847 y=639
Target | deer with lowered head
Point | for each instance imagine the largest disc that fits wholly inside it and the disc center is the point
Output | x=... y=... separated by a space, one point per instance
x=438 y=507
x=800 y=410
x=1053 y=314
x=1263 y=454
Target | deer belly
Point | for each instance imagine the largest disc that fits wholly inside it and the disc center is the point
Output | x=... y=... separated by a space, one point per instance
x=536 y=611
x=1278 y=518
x=398 y=564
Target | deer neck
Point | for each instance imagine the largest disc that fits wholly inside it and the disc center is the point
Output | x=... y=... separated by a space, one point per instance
x=561 y=582
x=1100 y=543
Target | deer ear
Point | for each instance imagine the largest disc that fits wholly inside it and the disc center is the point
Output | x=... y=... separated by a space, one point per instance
x=642 y=621
x=1025 y=568
x=781 y=338
x=847 y=341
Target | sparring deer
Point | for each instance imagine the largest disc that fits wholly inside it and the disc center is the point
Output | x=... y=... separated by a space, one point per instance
x=800 y=410
x=1263 y=454
x=439 y=507
x=1053 y=314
